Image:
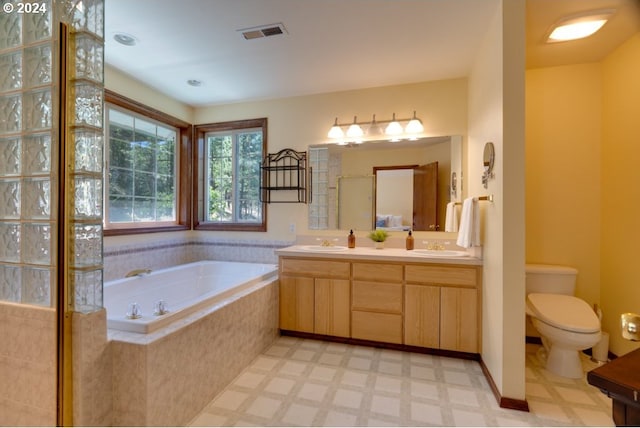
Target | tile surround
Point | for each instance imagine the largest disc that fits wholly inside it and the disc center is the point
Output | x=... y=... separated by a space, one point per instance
x=167 y=377
x=120 y=259
x=27 y=365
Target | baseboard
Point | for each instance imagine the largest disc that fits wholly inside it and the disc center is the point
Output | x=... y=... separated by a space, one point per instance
x=504 y=402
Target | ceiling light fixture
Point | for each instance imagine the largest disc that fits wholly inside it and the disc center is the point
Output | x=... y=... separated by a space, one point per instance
x=394 y=131
x=579 y=26
x=125 y=39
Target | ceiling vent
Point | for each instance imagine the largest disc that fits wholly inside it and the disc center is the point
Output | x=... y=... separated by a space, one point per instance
x=263 y=31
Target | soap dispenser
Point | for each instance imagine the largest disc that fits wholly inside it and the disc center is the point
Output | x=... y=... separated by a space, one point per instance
x=351 y=240
x=409 y=241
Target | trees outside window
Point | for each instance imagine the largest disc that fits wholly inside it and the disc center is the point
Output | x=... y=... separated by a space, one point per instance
x=229 y=175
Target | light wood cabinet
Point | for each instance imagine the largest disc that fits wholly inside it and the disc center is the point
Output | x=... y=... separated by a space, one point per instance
x=332 y=307
x=422 y=316
x=429 y=305
x=454 y=290
x=459 y=319
x=297 y=298
x=315 y=296
x=376 y=307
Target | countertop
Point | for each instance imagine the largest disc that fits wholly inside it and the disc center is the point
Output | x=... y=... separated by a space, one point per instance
x=370 y=253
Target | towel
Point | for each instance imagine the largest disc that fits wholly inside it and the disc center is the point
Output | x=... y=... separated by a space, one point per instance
x=469 y=233
x=451 y=218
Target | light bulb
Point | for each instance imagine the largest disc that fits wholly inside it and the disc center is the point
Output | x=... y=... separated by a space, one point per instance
x=394 y=129
x=414 y=127
x=336 y=132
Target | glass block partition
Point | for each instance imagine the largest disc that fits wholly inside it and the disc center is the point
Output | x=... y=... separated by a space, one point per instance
x=30 y=176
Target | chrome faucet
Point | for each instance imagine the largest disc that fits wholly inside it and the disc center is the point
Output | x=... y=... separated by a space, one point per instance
x=137 y=272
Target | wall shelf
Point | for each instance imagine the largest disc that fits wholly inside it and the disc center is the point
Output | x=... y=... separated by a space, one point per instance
x=285 y=172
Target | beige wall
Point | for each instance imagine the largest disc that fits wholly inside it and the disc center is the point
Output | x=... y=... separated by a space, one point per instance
x=620 y=278
x=496 y=114
x=564 y=135
x=582 y=175
x=300 y=121
x=119 y=82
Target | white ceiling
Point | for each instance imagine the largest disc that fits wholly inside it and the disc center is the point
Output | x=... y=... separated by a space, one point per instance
x=330 y=45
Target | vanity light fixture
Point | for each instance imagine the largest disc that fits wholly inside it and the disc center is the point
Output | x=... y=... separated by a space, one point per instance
x=355 y=132
x=374 y=130
x=336 y=131
x=394 y=130
x=414 y=127
x=579 y=26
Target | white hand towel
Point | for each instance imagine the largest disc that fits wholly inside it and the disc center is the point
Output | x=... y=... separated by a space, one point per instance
x=451 y=218
x=469 y=233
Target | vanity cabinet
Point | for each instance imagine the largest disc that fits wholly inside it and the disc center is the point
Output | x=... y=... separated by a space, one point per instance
x=315 y=296
x=427 y=305
x=376 y=306
x=442 y=307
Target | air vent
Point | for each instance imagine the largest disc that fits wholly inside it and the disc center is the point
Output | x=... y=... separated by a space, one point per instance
x=263 y=31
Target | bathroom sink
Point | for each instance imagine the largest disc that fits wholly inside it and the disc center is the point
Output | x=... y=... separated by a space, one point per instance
x=323 y=248
x=441 y=253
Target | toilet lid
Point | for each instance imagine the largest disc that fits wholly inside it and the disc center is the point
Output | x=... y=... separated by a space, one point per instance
x=564 y=312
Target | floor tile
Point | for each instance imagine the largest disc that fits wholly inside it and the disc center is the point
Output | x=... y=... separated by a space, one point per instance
x=304 y=382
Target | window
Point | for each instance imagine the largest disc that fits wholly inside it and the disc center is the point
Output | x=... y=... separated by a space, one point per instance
x=144 y=188
x=229 y=175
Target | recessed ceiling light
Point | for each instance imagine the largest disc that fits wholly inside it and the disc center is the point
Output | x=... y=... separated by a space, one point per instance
x=125 y=39
x=579 y=26
x=194 y=82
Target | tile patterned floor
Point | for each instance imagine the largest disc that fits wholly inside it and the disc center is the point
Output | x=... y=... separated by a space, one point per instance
x=301 y=382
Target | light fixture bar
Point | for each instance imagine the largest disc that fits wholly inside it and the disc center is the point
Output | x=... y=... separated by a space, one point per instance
x=375 y=129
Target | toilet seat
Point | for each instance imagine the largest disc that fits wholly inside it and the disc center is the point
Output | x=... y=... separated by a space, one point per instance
x=564 y=312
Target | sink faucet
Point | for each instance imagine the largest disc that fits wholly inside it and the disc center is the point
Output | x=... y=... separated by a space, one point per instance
x=434 y=246
x=137 y=272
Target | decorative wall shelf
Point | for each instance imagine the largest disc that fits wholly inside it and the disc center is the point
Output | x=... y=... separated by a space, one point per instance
x=284 y=172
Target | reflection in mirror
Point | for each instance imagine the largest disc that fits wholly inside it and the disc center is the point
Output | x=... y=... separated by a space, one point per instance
x=332 y=208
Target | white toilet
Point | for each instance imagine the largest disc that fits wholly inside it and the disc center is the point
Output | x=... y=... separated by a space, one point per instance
x=566 y=323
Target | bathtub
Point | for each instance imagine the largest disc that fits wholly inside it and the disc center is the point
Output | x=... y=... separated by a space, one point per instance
x=184 y=289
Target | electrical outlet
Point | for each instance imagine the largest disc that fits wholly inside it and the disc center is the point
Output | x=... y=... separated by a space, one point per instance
x=292 y=227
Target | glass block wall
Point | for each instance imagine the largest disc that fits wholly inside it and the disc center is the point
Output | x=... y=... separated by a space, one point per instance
x=30 y=177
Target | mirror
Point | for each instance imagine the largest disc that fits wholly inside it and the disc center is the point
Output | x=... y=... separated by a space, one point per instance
x=488 y=159
x=370 y=168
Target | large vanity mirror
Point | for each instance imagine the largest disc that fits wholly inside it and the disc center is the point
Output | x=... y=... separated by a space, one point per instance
x=403 y=185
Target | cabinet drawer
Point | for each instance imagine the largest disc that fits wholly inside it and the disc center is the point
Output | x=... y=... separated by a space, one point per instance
x=376 y=326
x=446 y=275
x=377 y=272
x=377 y=296
x=315 y=268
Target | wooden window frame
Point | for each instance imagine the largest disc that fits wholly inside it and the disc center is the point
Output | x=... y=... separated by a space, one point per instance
x=199 y=184
x=183 y=180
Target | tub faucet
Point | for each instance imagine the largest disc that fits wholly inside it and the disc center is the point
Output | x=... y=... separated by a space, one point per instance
x=137 y=272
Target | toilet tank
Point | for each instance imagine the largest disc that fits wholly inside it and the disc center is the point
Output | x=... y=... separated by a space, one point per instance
x=551 y=279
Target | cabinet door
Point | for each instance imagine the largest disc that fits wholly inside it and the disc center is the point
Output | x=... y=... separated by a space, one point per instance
x=296 y=303
x=459 y=319
x=422 y=316
x=332 y=307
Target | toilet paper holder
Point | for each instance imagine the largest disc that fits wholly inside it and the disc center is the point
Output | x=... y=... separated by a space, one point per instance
x=630 y=326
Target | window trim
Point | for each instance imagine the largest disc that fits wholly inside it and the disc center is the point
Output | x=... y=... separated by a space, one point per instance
x=183 y=180
x=199 y=168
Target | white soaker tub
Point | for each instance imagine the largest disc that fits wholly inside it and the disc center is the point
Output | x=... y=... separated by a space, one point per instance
x=184 y=288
